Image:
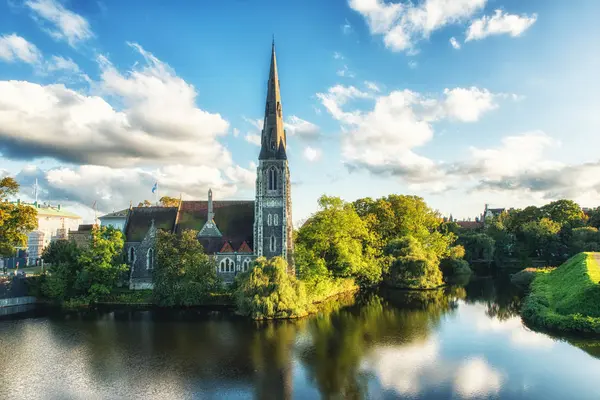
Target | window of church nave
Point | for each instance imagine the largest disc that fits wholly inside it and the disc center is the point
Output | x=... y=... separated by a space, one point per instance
x=150 y=259
x=275 y=219
x=269 y=219
x=246 y=265
x=131 y=254
x=226 y=265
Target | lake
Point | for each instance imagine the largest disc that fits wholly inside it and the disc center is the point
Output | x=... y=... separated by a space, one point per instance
x=458 y=343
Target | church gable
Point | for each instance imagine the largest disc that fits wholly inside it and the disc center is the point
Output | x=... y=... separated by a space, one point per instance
x=210 y=229
x=226 y=248
x=140 y=219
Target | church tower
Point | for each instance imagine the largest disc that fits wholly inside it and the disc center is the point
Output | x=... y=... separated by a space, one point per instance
x=273 y=206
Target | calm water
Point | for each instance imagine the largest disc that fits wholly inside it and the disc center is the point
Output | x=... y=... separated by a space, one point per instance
x=464 y=343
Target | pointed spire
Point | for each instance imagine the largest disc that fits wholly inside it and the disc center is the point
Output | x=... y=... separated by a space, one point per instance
x=211 y=214
x=273 y=141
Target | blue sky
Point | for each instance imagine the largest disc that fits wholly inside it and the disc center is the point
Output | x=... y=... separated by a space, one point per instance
x=462 y=102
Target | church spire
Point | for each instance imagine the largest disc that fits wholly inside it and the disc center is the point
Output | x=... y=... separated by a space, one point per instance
x=273 y=141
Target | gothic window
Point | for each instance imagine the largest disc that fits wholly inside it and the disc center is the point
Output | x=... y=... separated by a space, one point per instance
x=246 y=265
x=150 y=259
x=269 y=220
x=273 y=244
x=276 y=219
x=279 y=109
x=226 y=265
x=272 y=178
x=131 y=255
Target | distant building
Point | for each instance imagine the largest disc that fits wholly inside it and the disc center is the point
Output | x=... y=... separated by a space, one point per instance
x=53 y=223
x=116 y=219
x=82 y=235
x=469 y=224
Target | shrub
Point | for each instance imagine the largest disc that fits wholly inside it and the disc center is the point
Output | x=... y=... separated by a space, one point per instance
x=267 y=291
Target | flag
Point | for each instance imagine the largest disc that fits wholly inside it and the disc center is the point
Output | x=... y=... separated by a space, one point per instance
x=155 y=187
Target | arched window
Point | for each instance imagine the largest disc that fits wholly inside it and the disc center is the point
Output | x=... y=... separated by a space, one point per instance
x=131 y=255
x=275 y=219
x=272 y=178
x=226 y=265
x=269 y=219
x=150 y=259
x=273 y=244
x=246 y=265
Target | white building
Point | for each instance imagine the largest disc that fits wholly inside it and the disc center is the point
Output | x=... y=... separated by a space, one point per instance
x=53 y=223
x=116 y=219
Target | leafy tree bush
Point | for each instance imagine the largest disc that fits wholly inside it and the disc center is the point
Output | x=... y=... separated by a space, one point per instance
x=267 y=291
x=101 y=263
x=454 y=264
x=16 y=220
x=336 y=242
x=63 y=258
x=411 y=265
x=184 y=274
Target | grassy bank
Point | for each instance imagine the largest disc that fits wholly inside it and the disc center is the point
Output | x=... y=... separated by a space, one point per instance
x=566 y=299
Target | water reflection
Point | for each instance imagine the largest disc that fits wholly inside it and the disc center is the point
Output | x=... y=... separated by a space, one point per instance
x=455 y=343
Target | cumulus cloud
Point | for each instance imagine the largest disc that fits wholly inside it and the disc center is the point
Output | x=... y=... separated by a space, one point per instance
x=372 y=86
x=454 y=43
x=253 y=139
x=158 y=121
x=15 y=48
x=498 y=24
x=311 y=153
x=382 y=139
x=65 y=24
x=402 y=25
x=116 y=187
x=337 y=55
x=346 y=28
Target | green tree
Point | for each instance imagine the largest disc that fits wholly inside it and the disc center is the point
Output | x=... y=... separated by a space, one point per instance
x=101 y=263
x=183 y=274
x=564 y=212
x=335 y=241
x=16 y=220
x=145 y=203
x=412 y=265
x=478 y=246
x=594 y=218
x=586 y=238
x=541 y=238
x=267 y=291
x=64 y=268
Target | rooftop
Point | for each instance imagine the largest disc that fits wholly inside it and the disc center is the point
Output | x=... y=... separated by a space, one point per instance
x=116 y=214
x=48 y=210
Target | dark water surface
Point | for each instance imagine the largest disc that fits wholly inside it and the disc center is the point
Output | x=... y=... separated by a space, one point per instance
x=459 y=343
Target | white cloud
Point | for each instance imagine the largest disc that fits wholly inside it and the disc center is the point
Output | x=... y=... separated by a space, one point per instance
x=253 y=139
x=236 y=132
x=454 y=43
x=301 y=128
x=158 y=121
x=382 y=139
x=404 y=24
x=412 y=64
x=58 y=63
x=67 y=25
x=338 y=56
x=468 y=104
x=312 y=154
x=499 y=23
x=116 y=187
x=345 y=72
x=15 y=48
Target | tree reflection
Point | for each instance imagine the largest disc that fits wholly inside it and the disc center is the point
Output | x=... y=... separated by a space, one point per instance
x=501 y=297
x=339 y=341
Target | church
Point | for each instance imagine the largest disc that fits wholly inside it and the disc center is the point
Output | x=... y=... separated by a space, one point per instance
x=232 y=232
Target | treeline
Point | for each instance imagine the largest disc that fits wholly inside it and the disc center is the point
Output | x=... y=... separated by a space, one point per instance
x=549 y=234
